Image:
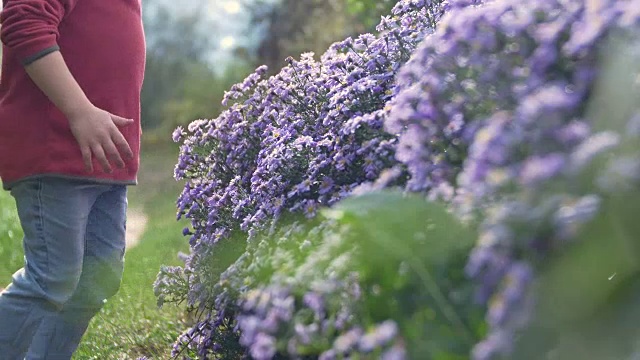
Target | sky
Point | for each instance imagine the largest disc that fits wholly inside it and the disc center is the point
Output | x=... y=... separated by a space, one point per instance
x=228 y=8
x=228 y=17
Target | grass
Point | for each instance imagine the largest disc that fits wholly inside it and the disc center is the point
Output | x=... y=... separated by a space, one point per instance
x=131 y=325
x=11 y=255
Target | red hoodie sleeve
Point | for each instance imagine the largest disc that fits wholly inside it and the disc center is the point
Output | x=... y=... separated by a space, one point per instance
x=30 y=27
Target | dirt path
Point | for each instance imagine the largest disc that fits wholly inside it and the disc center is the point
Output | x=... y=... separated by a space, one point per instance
x=136 y=224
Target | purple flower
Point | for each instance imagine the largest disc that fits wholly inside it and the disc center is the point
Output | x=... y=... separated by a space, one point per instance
x=178 y=133
x=347 y=341
x=305 y=333
x=396 y=352
x=540 y=168
x=621 y=175
x=497 y=344
x=381 y=335
x=250 y=326
x=592 y=147
x=574 y=213
x=315 y=302
x=573 y=133
x=264 y=347
x=328 y=355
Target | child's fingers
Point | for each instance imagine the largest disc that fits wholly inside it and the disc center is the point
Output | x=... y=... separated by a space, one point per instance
x=120 y=121
x=121 y=143
x=111 y=150
x=98 y=151
x=86 y=157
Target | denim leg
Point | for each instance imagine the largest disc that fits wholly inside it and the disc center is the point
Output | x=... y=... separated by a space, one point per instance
x=59 y=334
x=53 y=214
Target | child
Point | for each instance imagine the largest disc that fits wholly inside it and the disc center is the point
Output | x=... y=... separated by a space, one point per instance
x=70 y=86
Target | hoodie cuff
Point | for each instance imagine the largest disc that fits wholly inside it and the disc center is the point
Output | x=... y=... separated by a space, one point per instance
x=40 y=54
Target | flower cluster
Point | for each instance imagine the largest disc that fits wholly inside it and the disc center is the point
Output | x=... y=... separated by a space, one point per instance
x=309 y=320
x=521 y=230
x=491 y=113
x=301 y=139
x=299 y=292
x=270 y=312
x=295 y=291
x=209 y=338
x=312 y=324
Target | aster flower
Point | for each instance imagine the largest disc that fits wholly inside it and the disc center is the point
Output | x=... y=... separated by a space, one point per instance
x=492 y=107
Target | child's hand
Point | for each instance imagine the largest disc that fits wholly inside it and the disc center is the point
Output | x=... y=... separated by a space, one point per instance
x=95 y=130
x=97 y=134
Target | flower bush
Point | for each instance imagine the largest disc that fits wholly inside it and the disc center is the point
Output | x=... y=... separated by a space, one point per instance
x=350 y=290
x=301 y=139
x=340 y=286
x=491 y=110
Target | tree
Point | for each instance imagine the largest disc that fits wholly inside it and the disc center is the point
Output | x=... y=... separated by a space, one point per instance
x=366 y=13
x=292 y=27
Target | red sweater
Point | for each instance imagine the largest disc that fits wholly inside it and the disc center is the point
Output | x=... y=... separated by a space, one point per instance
x=102 y=42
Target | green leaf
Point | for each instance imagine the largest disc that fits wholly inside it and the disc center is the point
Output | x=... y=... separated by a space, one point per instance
x=404 y=225
x=411 y=253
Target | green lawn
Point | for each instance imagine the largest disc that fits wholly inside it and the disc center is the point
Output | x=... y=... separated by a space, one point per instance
x=131 y=325
x=11 y=255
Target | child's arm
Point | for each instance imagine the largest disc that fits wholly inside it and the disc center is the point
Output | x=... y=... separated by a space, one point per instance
x=94 y=129
x=30 y=30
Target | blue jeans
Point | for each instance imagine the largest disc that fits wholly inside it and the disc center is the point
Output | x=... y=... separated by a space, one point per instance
x=74 y=243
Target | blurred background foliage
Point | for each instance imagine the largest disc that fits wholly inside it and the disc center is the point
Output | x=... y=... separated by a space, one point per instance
x=293 y=27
